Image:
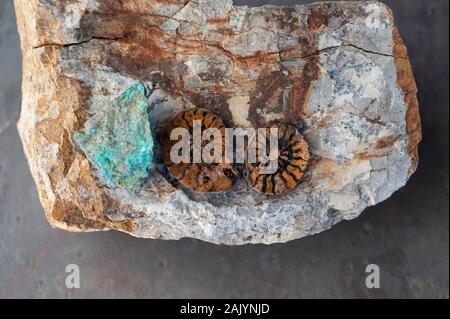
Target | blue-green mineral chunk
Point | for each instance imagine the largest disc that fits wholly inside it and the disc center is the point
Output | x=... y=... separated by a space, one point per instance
x=120 y=142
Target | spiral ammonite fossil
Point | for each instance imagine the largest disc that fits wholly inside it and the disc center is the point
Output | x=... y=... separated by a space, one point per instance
x=199 y=177
x=293 y=157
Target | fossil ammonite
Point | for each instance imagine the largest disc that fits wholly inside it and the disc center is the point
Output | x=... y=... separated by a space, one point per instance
x=292 y=161
x=200 y=177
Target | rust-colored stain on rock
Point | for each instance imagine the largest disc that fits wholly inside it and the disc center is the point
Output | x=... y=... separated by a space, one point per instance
x=407 y=83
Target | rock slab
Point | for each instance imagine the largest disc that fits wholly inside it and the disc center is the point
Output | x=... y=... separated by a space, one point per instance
x=339 y=68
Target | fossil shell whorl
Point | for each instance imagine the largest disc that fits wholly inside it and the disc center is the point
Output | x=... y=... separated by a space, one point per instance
x=293 y=158
x=199 y=177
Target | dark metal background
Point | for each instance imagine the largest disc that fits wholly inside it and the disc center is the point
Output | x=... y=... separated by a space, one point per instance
x=408 y=235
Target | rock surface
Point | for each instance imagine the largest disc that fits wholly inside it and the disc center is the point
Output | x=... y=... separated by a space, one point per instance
x=341 y=68
x=120 y=142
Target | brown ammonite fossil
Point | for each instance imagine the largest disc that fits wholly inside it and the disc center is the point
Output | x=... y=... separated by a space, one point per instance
x=293 y=156
x=200 y=177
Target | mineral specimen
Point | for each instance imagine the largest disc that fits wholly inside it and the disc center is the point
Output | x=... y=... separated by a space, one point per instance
x=293 y=157
x=119 y=142
x=199 y=175
x=340 y=67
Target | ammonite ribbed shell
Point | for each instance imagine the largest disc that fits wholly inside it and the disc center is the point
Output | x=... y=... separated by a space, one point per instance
x=293 y=157
x=199 y=177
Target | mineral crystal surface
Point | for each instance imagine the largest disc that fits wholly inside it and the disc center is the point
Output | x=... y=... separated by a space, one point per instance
x=119 y=142
x=94 y=70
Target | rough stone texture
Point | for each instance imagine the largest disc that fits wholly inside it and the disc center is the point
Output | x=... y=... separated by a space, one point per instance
x=120 y=142
x=341 y=67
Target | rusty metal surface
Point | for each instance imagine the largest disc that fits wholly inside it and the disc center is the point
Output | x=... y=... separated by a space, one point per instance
x=407 y=236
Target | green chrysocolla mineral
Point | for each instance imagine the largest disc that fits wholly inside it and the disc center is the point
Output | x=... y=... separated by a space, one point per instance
x=120 y=143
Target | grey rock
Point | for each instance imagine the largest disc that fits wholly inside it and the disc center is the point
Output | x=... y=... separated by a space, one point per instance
x=338 y=67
